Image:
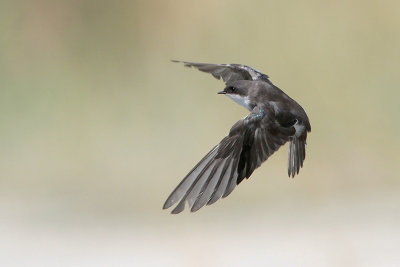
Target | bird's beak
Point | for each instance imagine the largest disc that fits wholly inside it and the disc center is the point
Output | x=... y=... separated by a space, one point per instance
x=221 y=92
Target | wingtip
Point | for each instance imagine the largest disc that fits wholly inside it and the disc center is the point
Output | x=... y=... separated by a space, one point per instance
x=174 y=211
x=213 y=199
x=166 y=205
x=169 y=202
x=179 y=208
x=185 y=63
x=194 y=209
x=197 y=205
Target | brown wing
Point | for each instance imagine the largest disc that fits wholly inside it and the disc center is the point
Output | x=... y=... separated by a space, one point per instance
x=228 y=72
x=250 y=142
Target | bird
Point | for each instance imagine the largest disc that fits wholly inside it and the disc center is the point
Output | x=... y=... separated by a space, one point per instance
x=274 y=120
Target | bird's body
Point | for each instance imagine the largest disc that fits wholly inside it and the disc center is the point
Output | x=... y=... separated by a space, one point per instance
x=274 y=119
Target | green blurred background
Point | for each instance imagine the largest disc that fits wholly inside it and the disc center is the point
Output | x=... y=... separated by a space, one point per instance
x=98 y=127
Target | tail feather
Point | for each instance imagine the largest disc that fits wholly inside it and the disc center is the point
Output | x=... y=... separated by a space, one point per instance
x=297 y=154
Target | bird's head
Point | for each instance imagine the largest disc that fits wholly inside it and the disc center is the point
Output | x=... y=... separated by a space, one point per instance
x=238 y=91
x=235 y=89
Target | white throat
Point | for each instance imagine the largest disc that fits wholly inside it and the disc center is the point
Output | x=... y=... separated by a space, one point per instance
x=243 y=101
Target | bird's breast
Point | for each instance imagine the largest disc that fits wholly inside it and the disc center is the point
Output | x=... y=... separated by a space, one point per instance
x=243 y=101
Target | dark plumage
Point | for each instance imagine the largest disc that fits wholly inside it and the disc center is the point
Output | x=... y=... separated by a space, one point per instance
x=274 y=119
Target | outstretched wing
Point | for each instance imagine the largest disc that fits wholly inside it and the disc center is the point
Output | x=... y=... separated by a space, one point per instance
x=249 y=143
x=228 y=72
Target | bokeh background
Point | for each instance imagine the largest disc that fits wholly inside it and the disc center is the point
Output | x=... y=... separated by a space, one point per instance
x=98 y=127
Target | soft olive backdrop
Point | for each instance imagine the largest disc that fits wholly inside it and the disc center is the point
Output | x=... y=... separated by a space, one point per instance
x=98 y=127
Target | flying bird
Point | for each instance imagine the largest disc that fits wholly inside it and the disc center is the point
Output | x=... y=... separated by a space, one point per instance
x=274 y=119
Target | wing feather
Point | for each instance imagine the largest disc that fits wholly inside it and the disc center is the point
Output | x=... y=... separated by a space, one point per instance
x=183 y=186
x=249 y=143
x=228 y=72
x=222 y=183
x=210 y=185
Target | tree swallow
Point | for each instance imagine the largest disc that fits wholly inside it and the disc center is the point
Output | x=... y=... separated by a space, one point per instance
x=274 y=119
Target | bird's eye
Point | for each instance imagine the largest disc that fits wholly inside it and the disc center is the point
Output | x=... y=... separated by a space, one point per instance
x=233 y=89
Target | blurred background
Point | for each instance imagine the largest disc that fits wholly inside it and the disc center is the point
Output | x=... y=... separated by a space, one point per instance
x=98 y=127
